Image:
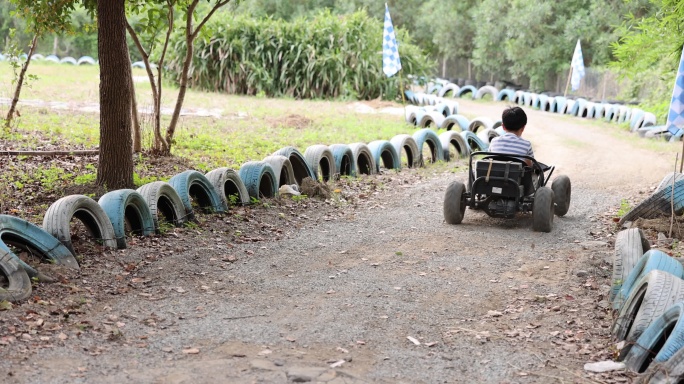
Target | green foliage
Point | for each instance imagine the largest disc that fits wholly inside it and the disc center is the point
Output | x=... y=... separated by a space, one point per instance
x=324 y=57
x=624 y=208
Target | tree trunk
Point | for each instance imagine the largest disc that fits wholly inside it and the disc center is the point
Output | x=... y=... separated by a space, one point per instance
x=55 y=45
x=137 y=145
x=20 y=82
x=115 y=167
x=444 y=66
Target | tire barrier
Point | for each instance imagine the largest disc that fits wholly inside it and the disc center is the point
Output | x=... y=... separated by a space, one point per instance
x=363 y=158
x=630 y=245
x=21 y=234
x=569 y=106
x=474 y=143
x=662 y=202
x=126 y=206
x=229 y=186
x=624 y=114
x=259 y=179
x=68 y=60
x=85 y=60
x=431 y=119
x=543 y=103
x=479 y=123
x=429 y=137
x=449 y=88
x=282 y=168
x=321 y=160
x=519 y=99
x=506 y=95
x=653 y=294
x=668 y=180
x=193 y=185
x=486 y=90
x=410 y=114
x=58 y=217
x=466 y=90
x=578 y=109
x=663 y=338
x=487 y=135
x=558 y=105
x=300 y=167
x=344 y=160
x=163 y=200
x=612 y=113
x=636 y=120
x=384 y=150
x=433 y=89
x=597 y=111
x=18 y=285
x=52 y=58
x=453 y=139
x=650 y=261
x=669 y=371
x=454 y=121
x=408 y=145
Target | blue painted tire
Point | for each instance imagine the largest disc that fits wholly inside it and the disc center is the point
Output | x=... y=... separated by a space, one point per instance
x=431 y=119
x=453 y=139
x=322 y=162
x=664 y=337
x=259 y=179
x=527 y=99
x=282 y=168
x=651 y=260
x=59 y=214
x=630 y=245
x=384 y=151
x=229 y=186
x=163 y=200
x=450 y=87
x=344 y=160
x=68 y=60
x=363 y=159
x=486 y=90
x=455 y=121
x=52 y=58
x=429 y=137
x=653 y=294
x=443 y=109
x=408 y=145
x=193 y=184
x=624 y=115
x=636 y=119
x=127 y=205
x=612 y=112
x=467 y=89
x=18 y=282
x=598 y=111
x=85 y=60
x=506 y=95
x=544 y=103
x=480 y=123
x=578 y=107
x=433 y=89
x=21 y=233
x=487 y=135
x=559 y=104
x=409 y=95
x=659 y=203
x=300 y=167
x=670 y=371
x=474 y=142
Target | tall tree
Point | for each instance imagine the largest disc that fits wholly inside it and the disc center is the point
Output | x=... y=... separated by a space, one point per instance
x=115 y=168
x=115 y=165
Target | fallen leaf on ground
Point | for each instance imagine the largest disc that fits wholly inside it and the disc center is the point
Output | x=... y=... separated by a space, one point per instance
x=191 y=351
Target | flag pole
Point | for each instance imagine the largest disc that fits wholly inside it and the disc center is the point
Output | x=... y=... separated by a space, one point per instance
x=565 y=94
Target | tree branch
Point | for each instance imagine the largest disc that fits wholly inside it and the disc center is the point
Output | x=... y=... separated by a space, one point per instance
x=204 y=21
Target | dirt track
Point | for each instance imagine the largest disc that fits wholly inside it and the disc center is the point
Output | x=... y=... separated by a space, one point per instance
x=347 y=284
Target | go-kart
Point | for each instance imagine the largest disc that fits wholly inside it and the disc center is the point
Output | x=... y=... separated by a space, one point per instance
x=502 y=185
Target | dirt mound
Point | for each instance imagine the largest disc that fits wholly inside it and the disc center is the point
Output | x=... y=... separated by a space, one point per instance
x=313 y=188
x=291 y=120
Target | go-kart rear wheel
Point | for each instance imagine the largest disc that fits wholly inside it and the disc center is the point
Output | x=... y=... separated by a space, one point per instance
x=542 y=210
x=561 y=194
x=454 y=203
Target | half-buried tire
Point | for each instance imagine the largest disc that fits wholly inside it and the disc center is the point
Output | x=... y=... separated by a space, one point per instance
x=300 y=167
x=193 y=185
x=383 y=151
x=344 y=160
x=126 y=207
x=229 y=186
x=259 y=179
x=363 y=158
x=16 y=283
x=429 y=137
x=405 y=144
x=474 y=143
x=164 y=203
x=282 y=167
x=58 y=217
x=453 y=139
x=630 y=245
x=322 y=162
x=21 y=234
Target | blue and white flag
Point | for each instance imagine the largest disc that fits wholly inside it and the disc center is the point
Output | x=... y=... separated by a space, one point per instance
x=390 y=50
x=675 y=118
x=577 y=66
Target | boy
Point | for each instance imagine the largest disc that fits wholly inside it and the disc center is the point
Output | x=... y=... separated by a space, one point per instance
x=514 y=121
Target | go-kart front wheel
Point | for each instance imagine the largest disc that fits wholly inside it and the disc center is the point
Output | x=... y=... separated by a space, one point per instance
x=561 y=194
x=454 y=203
x=542 y=210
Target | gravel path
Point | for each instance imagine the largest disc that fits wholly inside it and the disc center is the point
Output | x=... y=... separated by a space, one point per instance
x=373 y=289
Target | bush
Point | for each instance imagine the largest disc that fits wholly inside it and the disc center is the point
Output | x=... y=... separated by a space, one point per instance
x=329 y=56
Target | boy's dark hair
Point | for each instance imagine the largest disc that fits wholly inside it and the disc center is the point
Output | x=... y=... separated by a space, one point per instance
x=514 y=118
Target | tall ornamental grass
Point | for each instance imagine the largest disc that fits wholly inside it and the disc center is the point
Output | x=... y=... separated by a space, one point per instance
x=329 y=56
